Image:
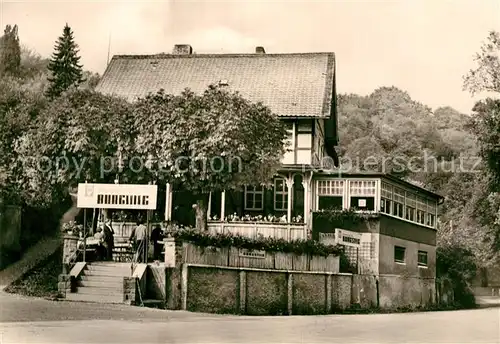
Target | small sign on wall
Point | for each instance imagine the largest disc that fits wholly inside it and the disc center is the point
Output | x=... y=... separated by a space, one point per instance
x=362 y=203
x=347 y=238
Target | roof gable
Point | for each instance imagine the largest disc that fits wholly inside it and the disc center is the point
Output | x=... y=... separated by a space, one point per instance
x=291 y=85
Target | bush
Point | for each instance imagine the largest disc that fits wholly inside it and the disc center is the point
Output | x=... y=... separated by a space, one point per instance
x=457 y=265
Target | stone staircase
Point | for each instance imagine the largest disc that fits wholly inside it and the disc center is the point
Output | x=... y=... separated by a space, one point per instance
x=101 y=282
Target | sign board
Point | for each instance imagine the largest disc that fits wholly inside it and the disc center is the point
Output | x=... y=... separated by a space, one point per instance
x=117 y=196
x=347 y=238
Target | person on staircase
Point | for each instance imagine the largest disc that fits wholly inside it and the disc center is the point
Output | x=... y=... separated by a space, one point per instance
x=99 y=248
x=156 y=237
x=138 y=237
x=109 y=240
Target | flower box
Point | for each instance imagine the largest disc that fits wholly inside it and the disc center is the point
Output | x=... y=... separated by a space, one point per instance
x=256 y=259
x=283 y=261
x=205 y=255
x=234 y=257
x=243 y=258
x=326 y=264
x=300 y=262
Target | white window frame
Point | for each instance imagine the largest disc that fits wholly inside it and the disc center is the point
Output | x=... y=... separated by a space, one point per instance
x=401 y=199
x=431 y=205
x=361 y=191
x=422 y=210
x=411 y=203
x=404 y=255
x=254 y=192
x=282 y=193
x=419 y=263
x=330 y=187
x=386 y=193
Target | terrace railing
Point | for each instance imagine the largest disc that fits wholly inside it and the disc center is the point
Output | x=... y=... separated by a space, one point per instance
x=287 y=231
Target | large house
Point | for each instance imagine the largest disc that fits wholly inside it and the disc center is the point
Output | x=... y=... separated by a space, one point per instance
x=300 y=89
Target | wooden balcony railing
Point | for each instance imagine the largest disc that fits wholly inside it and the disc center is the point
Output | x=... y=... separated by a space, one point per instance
x=287 y=231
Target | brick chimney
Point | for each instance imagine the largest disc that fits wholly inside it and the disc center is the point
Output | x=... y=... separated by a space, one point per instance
x=182 y=49
x=260 y=50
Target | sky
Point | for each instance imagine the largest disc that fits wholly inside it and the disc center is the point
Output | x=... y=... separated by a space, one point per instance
x=421 y=46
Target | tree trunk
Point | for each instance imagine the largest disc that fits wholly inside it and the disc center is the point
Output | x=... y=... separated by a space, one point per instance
x=201 y=212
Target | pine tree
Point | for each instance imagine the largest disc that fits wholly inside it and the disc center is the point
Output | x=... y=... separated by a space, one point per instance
x=64 y=65
x=10 y=52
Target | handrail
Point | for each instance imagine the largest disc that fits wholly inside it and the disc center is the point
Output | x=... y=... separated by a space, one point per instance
x=135 y=258
x=72 y=260
x=258 y=223
x=135 y=261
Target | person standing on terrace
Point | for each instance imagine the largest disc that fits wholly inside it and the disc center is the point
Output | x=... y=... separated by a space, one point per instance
x=138 y=237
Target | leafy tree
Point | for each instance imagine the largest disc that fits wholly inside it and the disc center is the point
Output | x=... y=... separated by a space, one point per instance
x=10 y=52
x=19 y=107
x=66 y=71
x=457 y=265
x=76 y=138
x=90 y=80
x=389 y=128
x=487 y=129
x=486 y=76
x=210 y=142
x=33 y=66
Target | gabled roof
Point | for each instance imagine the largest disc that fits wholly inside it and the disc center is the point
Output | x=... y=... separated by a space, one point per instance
x=291 y=85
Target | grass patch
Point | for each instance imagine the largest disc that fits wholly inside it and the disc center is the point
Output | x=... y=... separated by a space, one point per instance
x=42 y=280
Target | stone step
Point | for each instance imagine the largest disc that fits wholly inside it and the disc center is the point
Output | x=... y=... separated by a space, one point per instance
x=94 y=298
x=117 y=267
x=114 y=264
x=101 y=278
x=104 y=291
x=154 y=303
x=89 y=271
x=99 y=283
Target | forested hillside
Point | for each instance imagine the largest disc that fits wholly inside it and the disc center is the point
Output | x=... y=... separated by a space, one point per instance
x=387 y=131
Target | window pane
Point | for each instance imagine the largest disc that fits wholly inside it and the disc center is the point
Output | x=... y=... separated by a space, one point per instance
x=399 y=254
x=398 y=209
x=362 y=188
x=410 y=213
x=258 y=197
x=385 y=206
x=330 y=202
x=304 y=156
x=304 y=126
x=258 y=204
x=288 y=158
x=304 y=141
x=431 y=206
x=411 y=200
x=279 y=185
x=331 y=187
x=422 y=258
x=363 y=203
